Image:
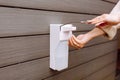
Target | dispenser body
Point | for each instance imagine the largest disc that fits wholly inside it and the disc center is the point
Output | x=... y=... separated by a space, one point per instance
x=59 y=45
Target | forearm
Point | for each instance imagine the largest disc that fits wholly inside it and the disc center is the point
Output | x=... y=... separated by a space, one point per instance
x=92 y=34
x=95 y=33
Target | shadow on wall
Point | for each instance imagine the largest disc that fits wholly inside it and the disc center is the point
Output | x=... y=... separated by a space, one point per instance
x=118 y=60
x=118 y=34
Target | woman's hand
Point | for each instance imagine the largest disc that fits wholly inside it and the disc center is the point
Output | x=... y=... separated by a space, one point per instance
x=105 y=19
x=75 y=42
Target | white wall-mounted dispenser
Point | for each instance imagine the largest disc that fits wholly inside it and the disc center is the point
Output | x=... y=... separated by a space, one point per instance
x=59 y=35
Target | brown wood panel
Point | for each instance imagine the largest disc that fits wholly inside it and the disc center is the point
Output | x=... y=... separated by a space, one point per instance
x=87 y=54
x=38 y=69
x=102 y=73
x=14 y=21
x=94 y=6
x=80 y=72
x=20 y=49
x=110 y=77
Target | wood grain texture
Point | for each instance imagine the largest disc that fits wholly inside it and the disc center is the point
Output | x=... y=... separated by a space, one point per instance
x=20 y=49
x=102 y=73
x=110 y=77
x=93 y=6
x=79 y=56
x=80 y=72
x=14 y=21
x=39 y=69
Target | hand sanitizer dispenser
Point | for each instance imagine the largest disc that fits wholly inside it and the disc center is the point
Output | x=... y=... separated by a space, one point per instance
x=59 y=36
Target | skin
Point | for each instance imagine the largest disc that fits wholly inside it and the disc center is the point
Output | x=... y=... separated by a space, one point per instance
x=100 y=21
x=79 y=41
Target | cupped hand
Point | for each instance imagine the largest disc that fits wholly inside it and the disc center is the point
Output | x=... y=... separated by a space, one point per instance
x=75 y=42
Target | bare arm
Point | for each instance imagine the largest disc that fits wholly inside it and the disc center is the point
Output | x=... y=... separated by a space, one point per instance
x=105 y=19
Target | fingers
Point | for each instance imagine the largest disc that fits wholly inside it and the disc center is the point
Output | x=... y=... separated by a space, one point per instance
x=96 y=20
x=99 y=19
x=74 y=42
x=72 y=45
x=93 y=20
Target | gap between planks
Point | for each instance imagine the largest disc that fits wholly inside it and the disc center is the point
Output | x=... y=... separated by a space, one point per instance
x=35 y=34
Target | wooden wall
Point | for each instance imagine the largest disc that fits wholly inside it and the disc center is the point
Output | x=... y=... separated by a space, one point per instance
x=24 y=40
